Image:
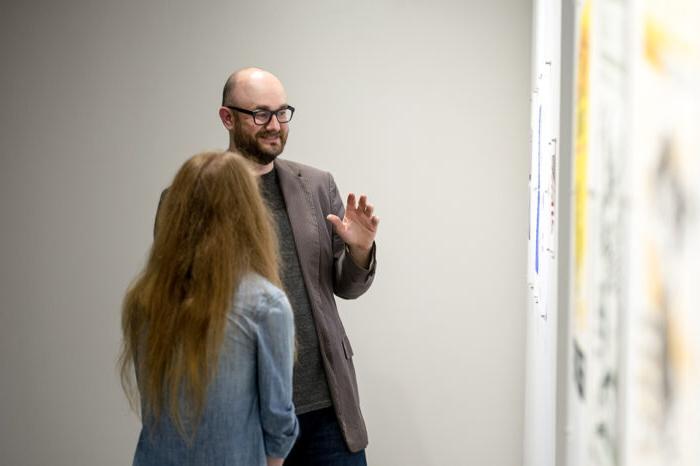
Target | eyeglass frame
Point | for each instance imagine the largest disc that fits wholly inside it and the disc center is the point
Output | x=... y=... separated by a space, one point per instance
x=255 y=112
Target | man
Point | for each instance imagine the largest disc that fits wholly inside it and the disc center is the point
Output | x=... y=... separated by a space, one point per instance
x=325 y=250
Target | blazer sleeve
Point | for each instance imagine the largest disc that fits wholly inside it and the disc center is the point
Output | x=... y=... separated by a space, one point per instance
x=275 y=348
x=349 y=279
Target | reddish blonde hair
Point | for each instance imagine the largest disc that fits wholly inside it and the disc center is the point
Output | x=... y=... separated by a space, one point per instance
x=211 y=230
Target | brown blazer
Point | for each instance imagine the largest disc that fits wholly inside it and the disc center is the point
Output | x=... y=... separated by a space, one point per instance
x=310 y=195
x=328 y=270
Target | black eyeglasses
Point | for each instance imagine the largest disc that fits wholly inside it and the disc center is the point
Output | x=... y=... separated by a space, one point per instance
x=262 y=117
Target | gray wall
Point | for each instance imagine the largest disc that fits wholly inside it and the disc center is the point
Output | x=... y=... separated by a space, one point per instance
x=423 y=105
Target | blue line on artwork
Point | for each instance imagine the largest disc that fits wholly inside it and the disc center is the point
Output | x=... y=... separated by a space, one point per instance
x=539 y=179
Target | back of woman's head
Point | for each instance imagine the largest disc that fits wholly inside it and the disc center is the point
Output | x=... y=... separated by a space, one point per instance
x=214 y=206
x=211 y=230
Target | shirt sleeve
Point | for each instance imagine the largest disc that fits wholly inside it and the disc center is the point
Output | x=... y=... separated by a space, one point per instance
x=275 y=357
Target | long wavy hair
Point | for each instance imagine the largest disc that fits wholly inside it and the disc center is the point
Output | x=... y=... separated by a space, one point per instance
x=211 y=230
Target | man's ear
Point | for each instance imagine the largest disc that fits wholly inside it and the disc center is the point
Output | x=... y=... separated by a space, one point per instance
x=226 y=118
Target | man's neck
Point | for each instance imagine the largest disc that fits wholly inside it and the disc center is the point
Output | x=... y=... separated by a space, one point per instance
x=262 y=169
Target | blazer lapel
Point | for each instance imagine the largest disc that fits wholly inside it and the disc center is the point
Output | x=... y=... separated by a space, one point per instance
x=304 y=221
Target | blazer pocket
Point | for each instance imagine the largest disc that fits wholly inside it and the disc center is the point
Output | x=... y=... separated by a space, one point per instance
x=347 y=349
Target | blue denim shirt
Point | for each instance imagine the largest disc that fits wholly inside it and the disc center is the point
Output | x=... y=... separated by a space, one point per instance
x=249 y=412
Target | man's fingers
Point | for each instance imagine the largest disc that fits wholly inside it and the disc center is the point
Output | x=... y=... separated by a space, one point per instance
x=362 y=206
x=351 y=202
x=335 y=220
x=363 y=203
x=375 y=221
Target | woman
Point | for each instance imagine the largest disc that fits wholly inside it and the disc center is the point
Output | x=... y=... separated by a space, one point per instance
x=207 y=329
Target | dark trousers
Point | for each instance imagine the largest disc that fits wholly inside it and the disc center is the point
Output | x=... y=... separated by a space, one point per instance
x=320 y=443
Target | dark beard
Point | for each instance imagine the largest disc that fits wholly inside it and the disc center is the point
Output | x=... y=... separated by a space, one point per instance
x=248 y=146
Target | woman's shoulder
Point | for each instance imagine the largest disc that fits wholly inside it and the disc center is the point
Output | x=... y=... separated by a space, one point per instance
x=256 y=294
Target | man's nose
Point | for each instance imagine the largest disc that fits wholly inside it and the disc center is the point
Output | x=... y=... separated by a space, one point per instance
x=273 y=124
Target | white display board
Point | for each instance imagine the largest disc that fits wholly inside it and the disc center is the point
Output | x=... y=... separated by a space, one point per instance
x=540 y=392
x=634 y=351
x=662 y=357
x=599 y=161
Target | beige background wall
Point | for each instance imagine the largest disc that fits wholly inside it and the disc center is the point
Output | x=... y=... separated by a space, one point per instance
x=423 y=105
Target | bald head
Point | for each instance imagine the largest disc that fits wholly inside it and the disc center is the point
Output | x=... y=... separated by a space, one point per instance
x=249 y=85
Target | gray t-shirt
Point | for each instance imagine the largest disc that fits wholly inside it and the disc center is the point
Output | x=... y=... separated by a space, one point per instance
x=310 y=385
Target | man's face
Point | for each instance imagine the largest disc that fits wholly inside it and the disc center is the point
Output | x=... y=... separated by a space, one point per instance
x=261 y=143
